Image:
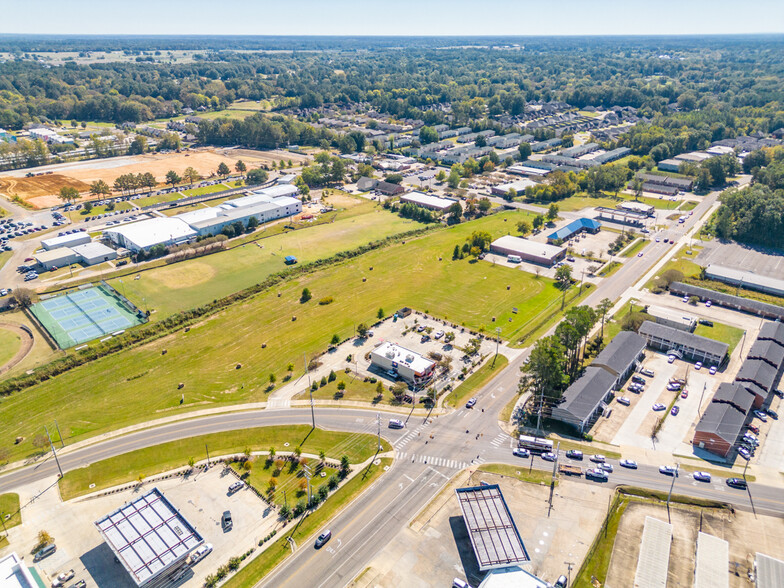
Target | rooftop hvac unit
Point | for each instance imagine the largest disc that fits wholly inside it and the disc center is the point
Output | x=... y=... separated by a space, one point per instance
x=409 y=358
x=390 y=354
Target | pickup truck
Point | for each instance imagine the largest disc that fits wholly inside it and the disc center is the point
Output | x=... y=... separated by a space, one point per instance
x=570 y=470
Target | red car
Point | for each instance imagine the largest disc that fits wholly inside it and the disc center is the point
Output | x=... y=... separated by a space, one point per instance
x=685 y=394
x=754 y=429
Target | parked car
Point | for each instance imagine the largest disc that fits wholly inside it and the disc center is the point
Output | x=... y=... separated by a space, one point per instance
x=744 y=453
x=685 y=394
x=45 y=552
x=458 y=583
x=698 y=365
x=628 y=463
x=549 y=456
x=708 y=304
x=226 y=521
x=236 y=486
x=560 y=582
x=574 y=454
x=712 y=370
x=773 y=414
x=675 y=410
x=647 y=372
x=671 y=359
x=201 y=552
x=702 y=476
x=62 y=578
x=596 y=474
x=323 y=538
x=668 y=470
x=658 y=406
x=753 y=428
x=520 y=452
x=739 y=483
x=706 y=322
x=597 y=458
x=625 y=401
x=761 y=416
x=79 y=584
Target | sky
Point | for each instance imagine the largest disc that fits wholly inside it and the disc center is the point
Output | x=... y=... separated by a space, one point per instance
x=392 y=17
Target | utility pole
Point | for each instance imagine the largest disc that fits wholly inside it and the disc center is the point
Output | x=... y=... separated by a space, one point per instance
x=742 y=341
x=310 y=390
x=552 y=480
x=699 y=406
x=59 y=433
x=307 y=476
x=581 y=283
x=2 y=520
x=378 y=419
x=54 y=452
x=208 y=454
x=669 y=494
x=569 y=565
x=497 y=342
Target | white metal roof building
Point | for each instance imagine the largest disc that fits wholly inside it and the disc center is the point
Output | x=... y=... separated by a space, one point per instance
x=14 y=573
x=93 y=253
x=278 y=190
x=427 y=201
x=672 y=318
x=745 y=279
x=493 y=533
x=150 y=538
x=710 y=569
x=518 y=186
x=65 y=240
x=142 y=235
x=56 y=257
x=641 y=207
x=263 y=212
x=770 y=571
x=541 y=253
x=512 y=577
x=654 y=559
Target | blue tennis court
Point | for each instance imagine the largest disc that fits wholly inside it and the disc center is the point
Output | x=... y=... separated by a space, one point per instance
x=83 y=315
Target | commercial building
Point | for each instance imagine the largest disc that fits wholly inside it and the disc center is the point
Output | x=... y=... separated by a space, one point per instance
x=722 y=423
x=687 y=345
x=150 y=539
x=770 y=571
x=624 y=217
x=79 y=238
x=142 y=235
x=54 y=258
x=672 y=318
x=491 y=529
x=745 y=279
x=657 y=189
x=763 y=309
x=518 y=186
x=712 y=564
x=93 y=253
x=427 y=201
x=216 y=219
x=398 y=361
x=612 y=155
x=14 y=573
x=386 y=188
x=664 y=180
x=531 y=168
x=575 y=227
x=579 y=150
x=512 y=577
x=571 y=162
x=585 y=400
x=654 y=559
x=639 y=207
x=532 y=251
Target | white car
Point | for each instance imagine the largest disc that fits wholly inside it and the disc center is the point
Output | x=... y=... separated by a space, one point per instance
x=438 y=334
x=396 y=424
x=628 y=463
x=698 y=365
x=712 y=370
x=549 y=456
x=607 y=467
x=201 y=552
x=597 y=458
x=62 y=578
x=702 y=476
x=668 y=470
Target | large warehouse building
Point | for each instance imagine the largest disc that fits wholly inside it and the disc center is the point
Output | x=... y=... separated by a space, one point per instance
x=532 y=251
x=427 y=201
x=150 y=538
x=143 y=235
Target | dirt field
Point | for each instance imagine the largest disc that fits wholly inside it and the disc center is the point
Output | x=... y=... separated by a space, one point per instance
x=42 y=191
x=745 y=533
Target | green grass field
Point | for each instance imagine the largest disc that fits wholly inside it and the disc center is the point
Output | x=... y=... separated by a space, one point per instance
x=301 y=533
x=142 y=202
x=688 y=205
x=4 y=257
x=9 y=345
x=143 y=383
x=355 y=389
x=634 y=248
x=288 y=477
x=9 y=504
x=168 y=456
x=78 y=215
x=206 y=190
x=721 y=332
x=475 y=381
x=519 y=472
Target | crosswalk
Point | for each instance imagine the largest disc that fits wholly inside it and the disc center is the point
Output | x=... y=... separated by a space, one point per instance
x=404 y=440
x=436 y=461
x=278 y=403
x=500 y=439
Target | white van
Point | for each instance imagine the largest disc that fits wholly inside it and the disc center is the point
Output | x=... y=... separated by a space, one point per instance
x=395 y=424
x=514 y=259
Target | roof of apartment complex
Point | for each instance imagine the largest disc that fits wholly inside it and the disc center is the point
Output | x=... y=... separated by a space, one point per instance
x=762 y=308
x=679 y=337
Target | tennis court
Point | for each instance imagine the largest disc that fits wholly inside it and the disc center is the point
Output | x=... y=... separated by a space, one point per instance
x=83 y=315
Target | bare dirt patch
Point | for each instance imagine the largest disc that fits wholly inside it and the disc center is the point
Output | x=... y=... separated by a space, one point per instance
x=46 y=185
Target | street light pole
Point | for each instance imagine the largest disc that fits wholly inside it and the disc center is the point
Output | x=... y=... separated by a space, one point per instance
x=669 y=494
x=54 y=452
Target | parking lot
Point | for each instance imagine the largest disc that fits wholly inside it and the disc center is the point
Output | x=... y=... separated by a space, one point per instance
x=740 y=257
x=200 y=498
x=434 y=548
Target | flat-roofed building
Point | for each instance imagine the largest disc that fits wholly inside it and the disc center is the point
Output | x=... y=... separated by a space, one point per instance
x=665 y=180
x=770 y=571
x=150 y=539
x=531 y=168
x=533 y=251
x=670 y=165
x=14 y=573
x=654 y=559
x=94 y=253
x=60 y=257
x=624 y=217
x=763 y=309
x=518 y=186
x=398 y=361
x=672 y=318
x=745 y=279
x=78 y=238
x=640 y=207
x=143 y=235
x=712 y=564
x=427 y=201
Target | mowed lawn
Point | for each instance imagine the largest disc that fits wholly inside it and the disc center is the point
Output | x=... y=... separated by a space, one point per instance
x=188 y=284
x=9 y=345
x=263 y=334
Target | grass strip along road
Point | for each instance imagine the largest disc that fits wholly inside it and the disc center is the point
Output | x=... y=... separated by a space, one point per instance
x=476 y=381
x=301 y=530
x=168 y=456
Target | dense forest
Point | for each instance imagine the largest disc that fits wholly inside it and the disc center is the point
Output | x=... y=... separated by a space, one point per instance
x=721 y=87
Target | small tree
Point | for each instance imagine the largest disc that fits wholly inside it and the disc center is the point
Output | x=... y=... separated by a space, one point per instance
x=306 y=295
x=322 y=492
x=333 y=482
x=341 y=385
x=190 y=175
x=173 y=178
x=40 y=441
x=298 y=451
x=379 y=389
x=538 y=222
x=552 y=212
x=44 y=538
x=88 y=207
x=362 y=330
x=345 y=464
x=271 y=453
x=223 y=169
x=524 y=227
x=191 y=462
x=247 y=465
x=285 y=511
x=68 y=193
x=380 y=313
x=332 y=376
x=240 y=167
x=323 y=381
x=335 y=339
x=322 y=456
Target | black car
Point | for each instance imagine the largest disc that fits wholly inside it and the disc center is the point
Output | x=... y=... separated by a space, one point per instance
x=706 y=322
x=739 y=483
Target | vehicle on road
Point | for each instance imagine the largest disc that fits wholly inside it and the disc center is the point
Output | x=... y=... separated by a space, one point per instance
x=396 y=424
x=226 y=521
x=597 y=474
x=201 y=552
x=458 y=583
x=739 y=483
x=519 y=452
x=570 y=470
x=675 y=410
x=761 y=416
x=574 y=454
x=702 y=476
x=639 y=255
x=549 y=456
x=668 y=470
x=323 y=538
x=597 y=458
x=535 y=444
x=658 y=407
x=628 y=463
x=607 y=467
x=236 y=486
x=625 y=401
x=62 y=578
x=471 y=403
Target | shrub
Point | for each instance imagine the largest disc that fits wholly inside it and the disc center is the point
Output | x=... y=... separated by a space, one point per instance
x=332 y=376
x=326 y=300
x=333 y=482
x=323 y=381
x=323 y=491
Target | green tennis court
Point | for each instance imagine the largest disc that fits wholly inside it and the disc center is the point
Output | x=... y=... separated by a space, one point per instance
x=82 y=315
